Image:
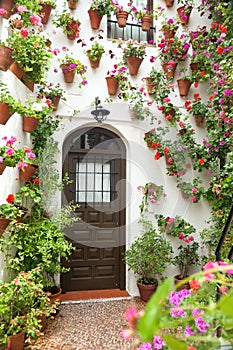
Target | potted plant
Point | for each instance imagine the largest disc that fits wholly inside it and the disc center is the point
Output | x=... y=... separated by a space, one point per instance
x=133 y=54
x=46 y=8
x=68 y=23
x=186 y=257
x=72 y=4
x=23 y=304
x=144 y=17
x=169 y=28
x=99 y=8
x=121 y=12
x=7 y=104
x=184 y=10
x=117 y=77
x=25 y=45
x=53 y=92
x=151 y=194
x=148 y=257
x=6 y=58
x=95 y=52
x=199 y=109
x=138 y=104
x=192 y=190
x=70 y=66
x=9 y=211
x=154 y=80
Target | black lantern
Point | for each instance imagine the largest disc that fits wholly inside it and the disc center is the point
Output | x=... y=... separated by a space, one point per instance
x=100 y=114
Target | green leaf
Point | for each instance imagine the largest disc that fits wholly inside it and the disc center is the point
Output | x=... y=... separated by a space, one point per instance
x=225 y=304
x=174 y=344
x=148 y=325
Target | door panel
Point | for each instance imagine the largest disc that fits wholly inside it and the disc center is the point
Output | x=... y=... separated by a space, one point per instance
x=99 y=236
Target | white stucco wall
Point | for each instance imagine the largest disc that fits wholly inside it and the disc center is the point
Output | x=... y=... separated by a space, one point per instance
x=141 y=167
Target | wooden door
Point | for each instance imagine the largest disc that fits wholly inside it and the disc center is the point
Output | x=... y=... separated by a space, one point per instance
x=96 y=164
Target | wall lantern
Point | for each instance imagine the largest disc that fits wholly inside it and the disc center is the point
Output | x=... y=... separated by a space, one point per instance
x=100 y=114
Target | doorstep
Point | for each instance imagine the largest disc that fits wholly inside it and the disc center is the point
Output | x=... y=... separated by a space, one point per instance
x=94 y=294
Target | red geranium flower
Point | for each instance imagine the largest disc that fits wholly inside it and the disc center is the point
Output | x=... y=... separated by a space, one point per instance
x=10 y=198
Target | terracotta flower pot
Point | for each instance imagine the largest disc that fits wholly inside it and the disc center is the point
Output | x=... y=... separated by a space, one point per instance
x=146 y=291
x=3 y=224
x=169 y=3
x=169 y=33
x=6 y=59
x=146 y=23
x=5 y=113
x=199 y=119
x=72 y=32
x=28 y=173
x=95 y=18
x=2 y=168
x=7 y=5
x=55 y=294
x=94 y=64
x=16 y=342
x=169 y=70
x=184 y=13
x=30 y=124
x=69 y=76
x=133 y=64
x=184 y=86
x=112 y=85
x=122 y=18
x=21 y=75
x=45 y=13
x=55 y=101
x=150 y=85
x=72 y=4
x=194 y=66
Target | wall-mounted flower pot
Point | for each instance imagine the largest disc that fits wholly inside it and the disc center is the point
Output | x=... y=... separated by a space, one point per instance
x=21 y=75
x=16 y=342
x=72 y=4
x=133 y=64
x=150 y=85
x=112 y=85
x=168 y=34
x=6 y=59
x=146 y=23
x=194 y=66
x=7 y=5
x=184 y=86
x=3 y=224
x=55 y=101
x=95 y=19
x=184 y=13
x=30 y=124
x=28 y=173
x=132 y=113
x=199 y=119
x=2 y=168
x=94 y=64
x=169 y=70
x=5 y=113
x=45 y=13
x=122 y=18
x=72 y=32
x=169 y=3
x=69 y=76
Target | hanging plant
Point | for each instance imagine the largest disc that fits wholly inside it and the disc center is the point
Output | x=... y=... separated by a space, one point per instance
x=151 y=194
x=69 y=24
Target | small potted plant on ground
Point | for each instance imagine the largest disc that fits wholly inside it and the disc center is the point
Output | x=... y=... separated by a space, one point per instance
x=186 y=257
x=148 y=257
x=68 y=23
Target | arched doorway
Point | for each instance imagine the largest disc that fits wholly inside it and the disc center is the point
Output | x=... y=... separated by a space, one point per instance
x=94 y=159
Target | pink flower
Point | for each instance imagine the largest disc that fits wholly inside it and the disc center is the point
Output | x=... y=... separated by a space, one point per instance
x=22 y=8
x=22 y=165
x=193 y=198
x=194 y=190
x=1 y=160
x=2 y=11
x=181 y=235
x=126 y=334
x=31 y=155
x=24 y=32
x=10 y=151
x=132 y=316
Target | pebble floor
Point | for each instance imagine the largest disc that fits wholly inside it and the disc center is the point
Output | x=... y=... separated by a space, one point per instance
x=88 y=326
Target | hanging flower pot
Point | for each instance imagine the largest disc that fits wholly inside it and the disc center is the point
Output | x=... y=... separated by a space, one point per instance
x=132 y=112
x=169 y=69
x=68 y=76
x=30 y=124
x=95 y=19
x=93 y=63
x=133 y=64
x=72 y=4
x=184 y=86
x=16 y=342
x=22 y=75
x=2 y=168
x=184 y=13
x=28 y=172
x=3 y=224
x=122 y=18
x=7 y=5
x=146 y=23
x=55 y=101
x=169 y=3
x=5 y=113
x=112 y=84
x=199 y=119
x=6 y=59
x=169 y=33
x=194 y=66
x=72 y=31
x=45 y=13
x=150 y=85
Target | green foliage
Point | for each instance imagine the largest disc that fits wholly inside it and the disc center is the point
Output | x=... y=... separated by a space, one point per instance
x=149 y=255
x=187 y=256
x=151 y=194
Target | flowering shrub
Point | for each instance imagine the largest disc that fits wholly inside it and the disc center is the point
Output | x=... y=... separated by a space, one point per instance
x=12 y=156
x=10 y=210
x=151 y=194
x=175 y=49
x=186 y=319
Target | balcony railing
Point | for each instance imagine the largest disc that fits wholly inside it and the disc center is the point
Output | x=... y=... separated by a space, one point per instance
x=131 y=31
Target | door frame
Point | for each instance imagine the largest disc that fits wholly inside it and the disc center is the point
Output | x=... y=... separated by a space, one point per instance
x=66 y=193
